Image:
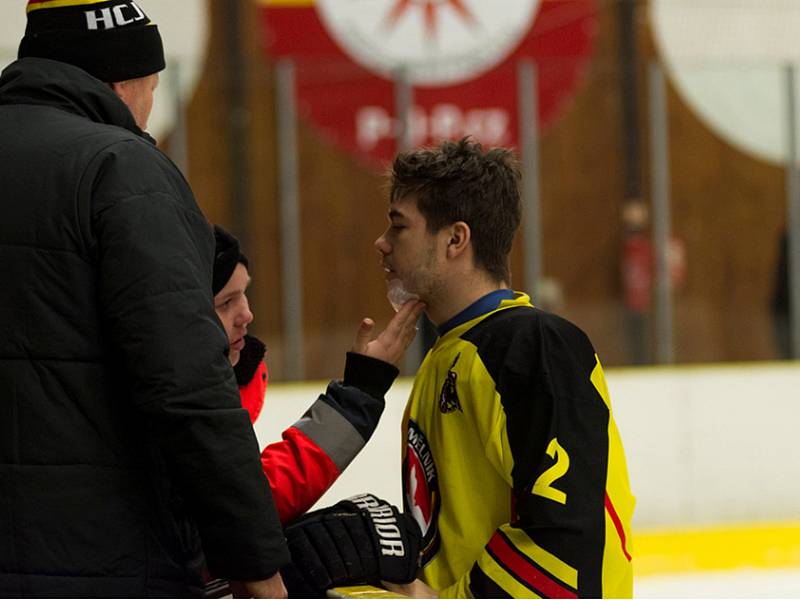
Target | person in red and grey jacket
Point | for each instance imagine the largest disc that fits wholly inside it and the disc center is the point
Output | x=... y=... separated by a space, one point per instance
x=319 y=446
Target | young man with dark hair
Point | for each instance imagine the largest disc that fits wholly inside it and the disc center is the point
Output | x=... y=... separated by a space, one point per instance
x=513 y=466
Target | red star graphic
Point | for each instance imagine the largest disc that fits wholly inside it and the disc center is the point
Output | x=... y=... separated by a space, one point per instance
x=431 y=16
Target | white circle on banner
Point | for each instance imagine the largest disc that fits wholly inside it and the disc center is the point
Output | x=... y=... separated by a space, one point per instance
x=438 y=42
x=728 y=61
x=184 y=30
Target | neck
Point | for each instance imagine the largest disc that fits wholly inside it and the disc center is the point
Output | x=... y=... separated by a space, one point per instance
x=459 y=292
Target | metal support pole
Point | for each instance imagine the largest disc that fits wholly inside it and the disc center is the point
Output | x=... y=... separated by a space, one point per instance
x=291 y=263
x=236 y=88
x=659 y=162
x=793 y=211
x=527 y=90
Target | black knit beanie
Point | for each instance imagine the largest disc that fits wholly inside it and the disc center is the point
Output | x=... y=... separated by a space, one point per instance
x=112 y=40
x=226 y=256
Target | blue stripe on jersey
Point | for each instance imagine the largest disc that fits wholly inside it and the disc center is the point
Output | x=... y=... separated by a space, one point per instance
x=481 y=306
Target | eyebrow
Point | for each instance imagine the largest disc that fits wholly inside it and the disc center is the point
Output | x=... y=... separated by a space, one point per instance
x=396 y=214
x=230 y=294
x=237 y=291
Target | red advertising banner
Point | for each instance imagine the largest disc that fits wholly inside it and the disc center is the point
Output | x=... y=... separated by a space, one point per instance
x=461 y=57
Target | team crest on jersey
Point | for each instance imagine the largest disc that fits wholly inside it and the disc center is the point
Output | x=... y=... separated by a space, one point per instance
x=421 y=489
x=448 y=397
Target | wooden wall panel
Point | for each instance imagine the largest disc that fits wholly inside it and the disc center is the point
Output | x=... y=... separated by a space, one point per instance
x=728 y=209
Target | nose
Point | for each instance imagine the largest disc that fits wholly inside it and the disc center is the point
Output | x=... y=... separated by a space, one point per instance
x=381 y=245
x=245 y=316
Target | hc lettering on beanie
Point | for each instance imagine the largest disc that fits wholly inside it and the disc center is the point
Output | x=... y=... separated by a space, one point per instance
x=112 y=40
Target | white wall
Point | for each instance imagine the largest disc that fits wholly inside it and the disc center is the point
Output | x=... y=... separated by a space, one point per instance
x=712 y=444
x=704 y=444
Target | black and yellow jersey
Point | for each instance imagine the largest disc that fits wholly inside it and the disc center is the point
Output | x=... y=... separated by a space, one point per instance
x=513 y=466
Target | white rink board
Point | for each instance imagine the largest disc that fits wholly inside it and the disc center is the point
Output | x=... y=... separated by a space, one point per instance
x=705 y=445
x=738 y=583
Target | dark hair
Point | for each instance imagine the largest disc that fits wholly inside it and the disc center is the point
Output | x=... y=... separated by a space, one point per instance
x=460 y=181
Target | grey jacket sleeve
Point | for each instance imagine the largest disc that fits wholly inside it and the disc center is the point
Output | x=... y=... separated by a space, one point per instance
x=343 y=419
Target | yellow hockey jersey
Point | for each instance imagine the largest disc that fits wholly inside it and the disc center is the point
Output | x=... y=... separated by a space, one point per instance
x=513 y=466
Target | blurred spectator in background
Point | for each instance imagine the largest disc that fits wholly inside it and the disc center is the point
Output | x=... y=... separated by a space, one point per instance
x=638 y=278
x=637 y=281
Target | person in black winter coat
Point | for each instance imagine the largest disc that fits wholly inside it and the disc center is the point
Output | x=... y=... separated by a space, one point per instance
x=127 y=465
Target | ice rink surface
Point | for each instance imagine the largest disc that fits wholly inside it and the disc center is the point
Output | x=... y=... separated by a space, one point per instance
x=739 y=583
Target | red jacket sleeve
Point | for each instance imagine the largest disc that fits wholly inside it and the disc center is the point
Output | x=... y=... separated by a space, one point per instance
x=319 y=446
x=299 y=473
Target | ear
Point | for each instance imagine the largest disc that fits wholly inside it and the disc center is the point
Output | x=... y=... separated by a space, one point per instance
x=120 y=88
x=460 y=237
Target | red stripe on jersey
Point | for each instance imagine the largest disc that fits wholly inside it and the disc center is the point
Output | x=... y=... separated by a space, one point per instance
x=511 y=561
x=612 y=512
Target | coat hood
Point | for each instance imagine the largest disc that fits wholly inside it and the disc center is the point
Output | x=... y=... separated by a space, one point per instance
x=41 y=81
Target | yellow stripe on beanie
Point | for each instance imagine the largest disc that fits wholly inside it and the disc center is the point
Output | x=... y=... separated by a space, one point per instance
x=37 y=4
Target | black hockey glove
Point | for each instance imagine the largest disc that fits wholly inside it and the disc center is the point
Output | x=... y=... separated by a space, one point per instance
x=357 y=541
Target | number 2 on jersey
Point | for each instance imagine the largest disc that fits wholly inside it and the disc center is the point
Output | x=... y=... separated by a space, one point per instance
x=544 y=484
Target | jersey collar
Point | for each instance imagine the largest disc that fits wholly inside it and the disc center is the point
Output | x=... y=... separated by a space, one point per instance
x=481 y=306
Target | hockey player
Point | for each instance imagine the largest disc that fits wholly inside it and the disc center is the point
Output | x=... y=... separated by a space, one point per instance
x=513 y=466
